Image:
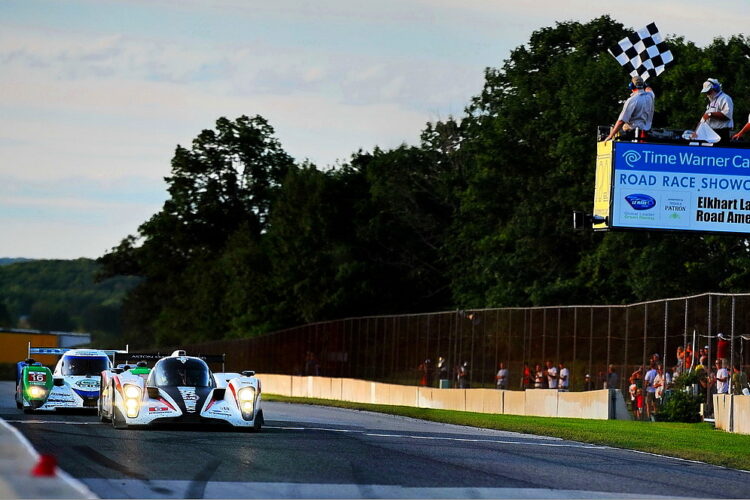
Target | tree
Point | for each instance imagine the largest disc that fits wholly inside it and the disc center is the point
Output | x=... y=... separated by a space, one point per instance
x=224 y=183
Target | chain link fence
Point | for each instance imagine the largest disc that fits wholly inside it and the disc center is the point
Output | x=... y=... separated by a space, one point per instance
x=588 y=339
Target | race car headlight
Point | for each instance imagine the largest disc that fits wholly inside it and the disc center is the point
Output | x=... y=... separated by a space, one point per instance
x=36 y=392
x=132 y=400
x=246 y=397
x=246 y=394
x=132 y=392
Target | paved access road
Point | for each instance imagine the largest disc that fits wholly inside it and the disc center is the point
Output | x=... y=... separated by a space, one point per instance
x=307 y=451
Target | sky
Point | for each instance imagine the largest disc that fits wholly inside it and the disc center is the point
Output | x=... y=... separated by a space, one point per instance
x=96 y=94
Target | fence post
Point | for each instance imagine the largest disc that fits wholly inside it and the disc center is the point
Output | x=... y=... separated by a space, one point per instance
x=666 y=323
x=609 y=342
x=557 y=354
x=627 y=334
x=591 y=340
x=645 y=332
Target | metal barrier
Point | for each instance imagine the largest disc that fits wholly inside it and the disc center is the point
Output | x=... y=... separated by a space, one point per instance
x=589 y=339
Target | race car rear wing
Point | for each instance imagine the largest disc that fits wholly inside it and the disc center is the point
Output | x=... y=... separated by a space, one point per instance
x=59 y=351
x=134 y=357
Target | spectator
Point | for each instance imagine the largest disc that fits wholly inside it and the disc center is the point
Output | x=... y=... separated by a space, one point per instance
x=613 y=380
x=722 y=377
x=688 y=356
x=501 y=379
x=680 y=360
x=633 y=392
x=564 y=384
x=552 y=375
x=538 y=377
x=463 y=375
x=526 y=378
x=719 y=111
x=312 y=367
x=745 y=130
x=648 y=381
x=639 y=403
x=659 y=384
x=443 y=372
x=601 y=380
x=588 y=384
x=739 y=380
x=425 y=368
x=722 y=347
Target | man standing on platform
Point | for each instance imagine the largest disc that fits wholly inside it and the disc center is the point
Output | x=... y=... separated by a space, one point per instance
x=719 y=111
x=637 y=112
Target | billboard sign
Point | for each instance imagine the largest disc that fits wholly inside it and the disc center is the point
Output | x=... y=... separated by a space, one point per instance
x=687 y=188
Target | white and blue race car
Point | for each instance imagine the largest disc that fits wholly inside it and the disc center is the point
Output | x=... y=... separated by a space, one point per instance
x=74 y=382
x=181 y=389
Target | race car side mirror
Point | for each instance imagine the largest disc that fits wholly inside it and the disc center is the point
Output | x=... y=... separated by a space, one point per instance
x=248 y=373
x=59 y=382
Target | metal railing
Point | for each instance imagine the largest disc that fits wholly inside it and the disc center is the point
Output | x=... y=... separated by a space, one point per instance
x=587 y=338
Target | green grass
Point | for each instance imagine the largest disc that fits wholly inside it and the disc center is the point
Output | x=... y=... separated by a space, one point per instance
x=690 y=441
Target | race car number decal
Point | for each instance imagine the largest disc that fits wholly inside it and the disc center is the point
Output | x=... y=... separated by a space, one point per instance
x=39 y=377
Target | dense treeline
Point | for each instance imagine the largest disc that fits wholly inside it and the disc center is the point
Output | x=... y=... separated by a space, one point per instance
x=476 y=215
x=62 y=295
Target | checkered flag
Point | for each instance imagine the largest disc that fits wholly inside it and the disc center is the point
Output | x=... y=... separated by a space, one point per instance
x=643 y=53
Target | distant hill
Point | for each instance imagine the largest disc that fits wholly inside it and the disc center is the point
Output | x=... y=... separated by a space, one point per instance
x=4 y=261
x=61 y=295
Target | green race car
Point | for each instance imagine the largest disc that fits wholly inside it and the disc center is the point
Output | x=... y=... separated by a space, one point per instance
x=33 y=384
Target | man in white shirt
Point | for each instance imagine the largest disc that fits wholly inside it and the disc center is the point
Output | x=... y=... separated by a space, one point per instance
x=722 y=378
x=551 y=375
x=564 y=377
x=719 y=110
x=502 y=377
x=650 y=391
x=637 y=112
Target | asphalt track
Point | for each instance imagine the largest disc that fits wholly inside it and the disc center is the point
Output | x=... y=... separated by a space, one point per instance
x=316 y=452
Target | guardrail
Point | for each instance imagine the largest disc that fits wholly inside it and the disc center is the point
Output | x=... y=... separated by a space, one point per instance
x=601 y=405
x=732 y=413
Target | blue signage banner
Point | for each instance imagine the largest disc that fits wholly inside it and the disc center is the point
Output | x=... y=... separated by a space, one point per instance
x=694 y=188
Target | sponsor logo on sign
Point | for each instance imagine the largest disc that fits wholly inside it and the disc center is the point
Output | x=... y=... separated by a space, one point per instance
x=631 y=157
x=640 y=201
x=189 y=397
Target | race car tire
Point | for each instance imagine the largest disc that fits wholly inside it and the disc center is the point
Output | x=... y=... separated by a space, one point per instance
x=28 y=411
x=19 y=405
x=99 y=412
x=118 y=420
x=258 y=422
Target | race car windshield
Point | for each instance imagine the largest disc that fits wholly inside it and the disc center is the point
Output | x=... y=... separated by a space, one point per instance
x=173 y=372
x=84 y=365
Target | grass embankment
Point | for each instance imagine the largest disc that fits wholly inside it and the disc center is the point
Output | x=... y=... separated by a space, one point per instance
x=690 y=441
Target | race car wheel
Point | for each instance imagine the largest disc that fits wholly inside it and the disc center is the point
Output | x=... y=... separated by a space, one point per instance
x=28 y=411
x=19 y=405
x=118 y=420
x=258 y=422
x=99 y=412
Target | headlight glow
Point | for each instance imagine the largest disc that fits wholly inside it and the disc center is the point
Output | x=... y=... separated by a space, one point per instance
x=247 y=407
x=132 y=391
x=37 y=392
x=246 y=394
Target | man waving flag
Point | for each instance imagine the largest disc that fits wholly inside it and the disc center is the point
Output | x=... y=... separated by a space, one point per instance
x=643 y=53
